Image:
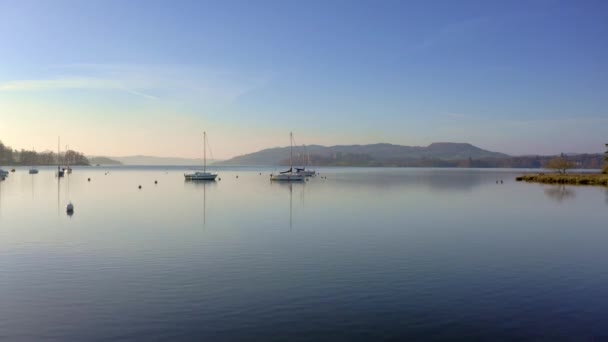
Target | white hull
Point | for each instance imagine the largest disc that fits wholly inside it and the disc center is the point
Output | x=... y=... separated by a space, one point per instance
x=200 y=176
x=287 y=177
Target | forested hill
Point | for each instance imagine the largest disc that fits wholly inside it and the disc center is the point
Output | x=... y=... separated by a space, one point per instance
x=358 y=155
x=9 y=156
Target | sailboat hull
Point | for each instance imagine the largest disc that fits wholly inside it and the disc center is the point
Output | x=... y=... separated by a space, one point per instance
x=287 y=177
x=200 y=176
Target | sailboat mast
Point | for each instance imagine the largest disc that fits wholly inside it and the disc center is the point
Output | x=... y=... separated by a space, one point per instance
x=308 y=157
x=58 y=143
x=290 y=151
x=204 y=151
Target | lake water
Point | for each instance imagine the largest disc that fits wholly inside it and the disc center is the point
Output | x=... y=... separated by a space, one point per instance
x=365 y=254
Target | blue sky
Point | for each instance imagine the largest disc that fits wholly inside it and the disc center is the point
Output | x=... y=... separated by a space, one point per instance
x=147 y=77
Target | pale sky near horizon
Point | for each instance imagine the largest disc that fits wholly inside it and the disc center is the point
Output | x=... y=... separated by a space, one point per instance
x=122 y=78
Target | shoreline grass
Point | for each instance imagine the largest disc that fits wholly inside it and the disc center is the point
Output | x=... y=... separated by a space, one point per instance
x=597 y=179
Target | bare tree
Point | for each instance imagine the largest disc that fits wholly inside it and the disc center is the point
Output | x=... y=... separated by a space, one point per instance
x=560 y=164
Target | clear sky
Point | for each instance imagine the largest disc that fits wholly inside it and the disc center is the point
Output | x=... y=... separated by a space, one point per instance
x=147 y=77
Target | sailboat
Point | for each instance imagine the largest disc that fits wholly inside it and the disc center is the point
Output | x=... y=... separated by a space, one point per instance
x=33 y=170
x=289 y=175
x=67 y=160
x=60 y=172
x=204 y=175
x=303 y=171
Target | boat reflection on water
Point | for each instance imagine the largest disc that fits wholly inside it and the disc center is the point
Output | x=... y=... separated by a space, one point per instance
x=211 y=183
x=289 y=186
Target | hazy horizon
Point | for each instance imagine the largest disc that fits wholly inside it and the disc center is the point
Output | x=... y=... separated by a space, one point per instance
x=518 y=78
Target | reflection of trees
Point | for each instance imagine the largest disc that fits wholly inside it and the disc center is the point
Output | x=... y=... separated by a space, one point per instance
x=560 y=193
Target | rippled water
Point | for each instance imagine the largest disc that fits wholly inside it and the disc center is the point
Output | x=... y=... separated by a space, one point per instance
x=365 y=254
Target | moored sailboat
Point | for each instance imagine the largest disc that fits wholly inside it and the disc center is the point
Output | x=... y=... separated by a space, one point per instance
x=289 y=175
x=60 y=172
x=204 y=175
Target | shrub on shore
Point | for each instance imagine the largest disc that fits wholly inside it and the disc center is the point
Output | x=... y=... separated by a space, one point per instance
x=574 y=179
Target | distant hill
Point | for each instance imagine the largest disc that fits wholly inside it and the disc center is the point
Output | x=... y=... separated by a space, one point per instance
x=103 y=161
x=151 y=160
x=375 y=154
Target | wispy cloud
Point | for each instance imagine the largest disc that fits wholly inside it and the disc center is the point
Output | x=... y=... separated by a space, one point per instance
x=146 y=81
x=70 y=83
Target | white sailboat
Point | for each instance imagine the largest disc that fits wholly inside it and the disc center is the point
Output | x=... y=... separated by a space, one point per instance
x=67 y=160
x=303 y=171
x=33 y=170
x=204 y=175
x=289 y=175
x=60 y=172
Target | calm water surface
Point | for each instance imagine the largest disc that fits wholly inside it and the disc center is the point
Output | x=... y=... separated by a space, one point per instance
x=426 y=254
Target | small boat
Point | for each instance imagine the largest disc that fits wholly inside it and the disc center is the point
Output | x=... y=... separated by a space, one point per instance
x=33 y=171
x=3 y=173
x=67 y=169
x=289 y=175
x=60 y=172
x=12 y=170
x=202 y=175
x=198 y=175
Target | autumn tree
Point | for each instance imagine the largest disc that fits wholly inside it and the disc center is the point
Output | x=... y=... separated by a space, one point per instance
x=560 y=164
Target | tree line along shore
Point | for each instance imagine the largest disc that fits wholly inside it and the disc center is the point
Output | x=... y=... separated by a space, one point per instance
x=9 y=156
x=561 y=165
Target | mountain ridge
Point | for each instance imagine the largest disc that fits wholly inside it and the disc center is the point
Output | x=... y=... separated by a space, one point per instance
x=143 y=160
x=372 y=153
